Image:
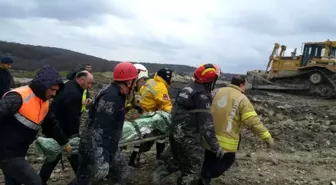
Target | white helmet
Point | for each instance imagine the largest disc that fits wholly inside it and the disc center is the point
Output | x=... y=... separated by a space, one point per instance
x=142 y=71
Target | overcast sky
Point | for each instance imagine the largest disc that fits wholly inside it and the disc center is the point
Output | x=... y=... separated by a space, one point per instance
x=239 y=35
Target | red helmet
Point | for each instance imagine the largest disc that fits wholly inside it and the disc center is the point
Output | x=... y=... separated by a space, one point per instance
x=207 y=73
x=125 y=71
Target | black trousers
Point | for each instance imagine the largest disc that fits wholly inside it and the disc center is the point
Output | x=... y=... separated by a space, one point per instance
x=214 y=167
x=48 y=167
x=138 y=149
x=18 y=171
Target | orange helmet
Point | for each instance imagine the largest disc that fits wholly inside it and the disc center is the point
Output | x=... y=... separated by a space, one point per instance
x=125 y=71
x=207 y=73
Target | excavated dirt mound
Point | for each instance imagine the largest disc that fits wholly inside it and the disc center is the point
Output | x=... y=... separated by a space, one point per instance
x=304 y=130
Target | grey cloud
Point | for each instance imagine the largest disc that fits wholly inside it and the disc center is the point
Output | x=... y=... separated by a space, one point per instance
x=323 y=24
x=288 y=18
x=239 y=41
x=161 y=46
x=261 y=23
x=62 y=10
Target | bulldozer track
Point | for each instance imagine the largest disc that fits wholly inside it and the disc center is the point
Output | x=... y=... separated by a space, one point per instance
x=300 y=84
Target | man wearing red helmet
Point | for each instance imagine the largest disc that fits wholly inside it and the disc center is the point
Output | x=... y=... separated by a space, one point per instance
x=192 y=121
x=99 y=153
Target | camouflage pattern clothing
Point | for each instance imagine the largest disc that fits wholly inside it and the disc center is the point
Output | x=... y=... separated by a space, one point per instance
x=191 y=122
x=188 y=152
x=99 y=152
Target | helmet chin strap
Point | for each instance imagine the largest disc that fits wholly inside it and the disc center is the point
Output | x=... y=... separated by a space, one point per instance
x=132 y=88
x=214 y=84
x=211 y=86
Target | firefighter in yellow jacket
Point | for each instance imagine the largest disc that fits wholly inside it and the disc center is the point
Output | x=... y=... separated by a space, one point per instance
x=231 y=111
x=154 y=94
x=153 y=97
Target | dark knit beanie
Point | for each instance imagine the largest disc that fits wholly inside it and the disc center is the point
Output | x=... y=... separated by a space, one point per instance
x=165 y=74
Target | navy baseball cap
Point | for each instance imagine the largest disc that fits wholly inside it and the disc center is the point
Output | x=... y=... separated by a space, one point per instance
x=6 y=60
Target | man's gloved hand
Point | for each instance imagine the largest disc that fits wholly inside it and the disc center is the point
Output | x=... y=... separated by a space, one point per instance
x=220 y=153
x=67 y=150
x=74 y=142
x=101 y=171
x=128 y=107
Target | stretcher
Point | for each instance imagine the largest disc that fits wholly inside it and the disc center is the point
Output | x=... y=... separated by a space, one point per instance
x=154 y=124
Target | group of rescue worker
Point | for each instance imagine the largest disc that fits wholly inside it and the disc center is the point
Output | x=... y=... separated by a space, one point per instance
x=204 y=135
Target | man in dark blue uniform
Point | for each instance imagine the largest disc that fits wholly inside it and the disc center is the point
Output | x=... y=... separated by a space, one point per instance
x=191 y=122
x=6 y=79
x=99 y=152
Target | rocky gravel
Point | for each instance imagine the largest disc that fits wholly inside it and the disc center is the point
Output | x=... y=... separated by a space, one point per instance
x=304 y=129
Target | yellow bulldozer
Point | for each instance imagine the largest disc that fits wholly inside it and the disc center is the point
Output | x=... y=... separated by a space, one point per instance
x=312 y=73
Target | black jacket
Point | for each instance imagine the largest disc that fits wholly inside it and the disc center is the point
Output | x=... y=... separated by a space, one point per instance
x=15 y=138
x=6 y=81
x=105 y=123
x=67 y=108
x=191 y=115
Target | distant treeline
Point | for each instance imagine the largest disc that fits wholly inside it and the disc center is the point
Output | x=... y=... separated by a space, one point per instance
x=29 y=57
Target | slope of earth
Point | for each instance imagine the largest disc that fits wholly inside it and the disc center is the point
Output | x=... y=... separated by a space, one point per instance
x=304 y=153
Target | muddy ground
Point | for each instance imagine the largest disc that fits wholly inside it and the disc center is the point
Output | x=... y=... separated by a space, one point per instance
x=304 y=130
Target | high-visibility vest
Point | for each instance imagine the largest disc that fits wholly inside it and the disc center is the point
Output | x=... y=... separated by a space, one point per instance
x=83 y=100
x=33 y=109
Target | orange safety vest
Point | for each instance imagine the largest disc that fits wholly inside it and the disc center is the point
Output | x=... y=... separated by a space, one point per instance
x=33 y=110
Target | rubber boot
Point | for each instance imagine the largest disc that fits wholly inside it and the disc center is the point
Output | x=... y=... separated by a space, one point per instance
x=159 y=149
x=204 y=181
x=164 y=170
x=134 y=159
x=161 y=172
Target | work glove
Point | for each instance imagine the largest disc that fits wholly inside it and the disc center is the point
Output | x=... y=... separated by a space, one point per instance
x=74 y=143
x=101 y=171
x=220 y=153
x=128 y=107
x=67 y=149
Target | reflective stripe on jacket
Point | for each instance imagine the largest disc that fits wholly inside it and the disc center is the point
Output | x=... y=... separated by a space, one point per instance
x=154 y=95
x=231 y=110
x=33 y=110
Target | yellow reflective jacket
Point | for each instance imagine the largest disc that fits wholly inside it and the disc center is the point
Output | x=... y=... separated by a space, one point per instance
x=84 y=97
x=154 y=95
x=232 y=110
